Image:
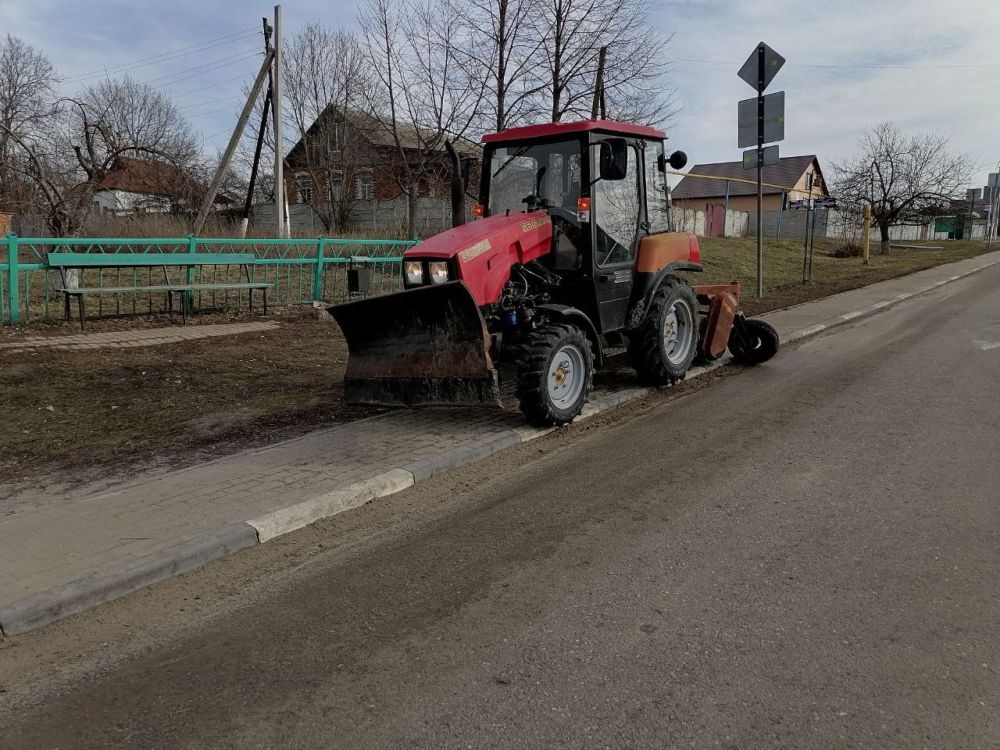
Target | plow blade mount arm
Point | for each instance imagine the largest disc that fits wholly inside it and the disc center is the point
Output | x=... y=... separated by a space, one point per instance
x=425 y=346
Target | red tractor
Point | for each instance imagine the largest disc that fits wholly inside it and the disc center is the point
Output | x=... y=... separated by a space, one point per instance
x=571 y=256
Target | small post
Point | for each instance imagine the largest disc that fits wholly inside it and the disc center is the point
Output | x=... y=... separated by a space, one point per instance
x=781 y=210
x=866 y=232
x=812 y=239
x=806 y=259
x=760 y=167
x=189 y=274
x=12 y=288
x=725 y=209
x=318 y=273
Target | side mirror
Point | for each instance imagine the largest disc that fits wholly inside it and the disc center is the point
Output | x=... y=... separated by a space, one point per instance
x=678 y=160
x=614 y=159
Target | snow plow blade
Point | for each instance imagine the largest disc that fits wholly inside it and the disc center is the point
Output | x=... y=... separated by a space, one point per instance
x=426 y=346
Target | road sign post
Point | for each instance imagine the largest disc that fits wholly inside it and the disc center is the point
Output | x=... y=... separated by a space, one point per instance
x=758 y=71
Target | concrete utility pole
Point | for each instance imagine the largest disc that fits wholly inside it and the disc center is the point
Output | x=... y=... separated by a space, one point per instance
x=261 y=131
x=234 y=139
x=279 y=156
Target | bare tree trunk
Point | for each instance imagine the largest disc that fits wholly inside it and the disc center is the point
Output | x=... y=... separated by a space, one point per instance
x=883 y=228
x=457 y=186
x=411 y=210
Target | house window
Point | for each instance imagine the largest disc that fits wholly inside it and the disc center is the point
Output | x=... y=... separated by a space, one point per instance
x=304 y=184
x=365 y=188
x=336 y=138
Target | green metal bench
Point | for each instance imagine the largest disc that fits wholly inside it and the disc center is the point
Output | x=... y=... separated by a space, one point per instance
x=65 y=261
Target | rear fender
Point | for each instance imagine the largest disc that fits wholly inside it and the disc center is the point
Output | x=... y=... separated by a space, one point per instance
x=575 y=316
x=646 y=284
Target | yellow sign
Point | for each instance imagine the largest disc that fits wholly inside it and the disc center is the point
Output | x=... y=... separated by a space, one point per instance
x=475 y=251
x=541 y=221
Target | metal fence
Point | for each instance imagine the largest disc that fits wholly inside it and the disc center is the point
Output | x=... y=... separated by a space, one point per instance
x=300 y=270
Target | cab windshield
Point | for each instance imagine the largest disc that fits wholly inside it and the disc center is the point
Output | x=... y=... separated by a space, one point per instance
x=538 y=175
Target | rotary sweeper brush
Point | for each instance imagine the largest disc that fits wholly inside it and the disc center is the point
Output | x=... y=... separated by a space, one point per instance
x=571 y=255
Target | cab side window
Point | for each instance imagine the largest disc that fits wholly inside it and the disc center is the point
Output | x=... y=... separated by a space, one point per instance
x=657 y=211
x=617 y=215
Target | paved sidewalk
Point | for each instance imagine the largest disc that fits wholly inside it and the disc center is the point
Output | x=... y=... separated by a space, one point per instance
x=64 y=554
x=133 y=338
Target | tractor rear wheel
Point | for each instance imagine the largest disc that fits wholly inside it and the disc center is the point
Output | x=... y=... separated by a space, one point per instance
x=663 y=346
x=756 y=343
x=554 y=373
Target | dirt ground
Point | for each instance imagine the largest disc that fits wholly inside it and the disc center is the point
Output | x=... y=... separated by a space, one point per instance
x=89 y=411
x=108 y=412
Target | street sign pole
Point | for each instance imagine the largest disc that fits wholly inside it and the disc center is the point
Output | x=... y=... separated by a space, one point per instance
x=761 y=85
x=758 y=72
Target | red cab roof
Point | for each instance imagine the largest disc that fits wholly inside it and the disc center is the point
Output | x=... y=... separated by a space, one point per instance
x=563 y=128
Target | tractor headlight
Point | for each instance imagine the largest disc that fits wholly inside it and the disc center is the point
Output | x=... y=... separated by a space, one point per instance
x=438 y=271
x=414 y=271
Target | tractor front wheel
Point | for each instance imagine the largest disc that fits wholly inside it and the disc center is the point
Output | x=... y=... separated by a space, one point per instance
x=554 y=373
x=663 y=346
x=754 y=343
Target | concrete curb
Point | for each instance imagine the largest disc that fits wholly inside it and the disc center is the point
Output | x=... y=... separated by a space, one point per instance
x=464 y=454
x=286 y=520
x=42 y=609
x=97 y=588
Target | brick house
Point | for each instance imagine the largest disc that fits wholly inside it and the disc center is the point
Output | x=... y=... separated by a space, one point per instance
x=347 y=172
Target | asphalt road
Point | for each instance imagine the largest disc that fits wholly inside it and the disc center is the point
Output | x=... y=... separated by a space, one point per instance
x=804 y=555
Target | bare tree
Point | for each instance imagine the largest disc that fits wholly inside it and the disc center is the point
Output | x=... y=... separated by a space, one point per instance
x=66 y=156
x=500 y=48
x=130 y=115
x=573 y=33
x=27 y=82
x=424 y=97
x=901 y=176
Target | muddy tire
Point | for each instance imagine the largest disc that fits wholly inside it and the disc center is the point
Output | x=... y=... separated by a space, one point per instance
x=758 y=343
x=665 y=343
x=555 y=371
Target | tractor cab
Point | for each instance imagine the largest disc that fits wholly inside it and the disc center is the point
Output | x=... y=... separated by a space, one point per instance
x=603 y=186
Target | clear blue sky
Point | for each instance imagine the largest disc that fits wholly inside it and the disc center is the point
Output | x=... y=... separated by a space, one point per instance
x=925 y=64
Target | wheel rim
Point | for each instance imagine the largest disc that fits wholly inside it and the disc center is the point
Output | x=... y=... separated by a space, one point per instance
x=678 y=332
x=567 y=375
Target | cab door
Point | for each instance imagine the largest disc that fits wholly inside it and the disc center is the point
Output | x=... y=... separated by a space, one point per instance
x=616 y=218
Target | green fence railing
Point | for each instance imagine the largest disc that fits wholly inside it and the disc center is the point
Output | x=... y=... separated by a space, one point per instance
x=300 y=271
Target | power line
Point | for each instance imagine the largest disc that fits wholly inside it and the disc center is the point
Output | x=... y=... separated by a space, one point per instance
x=212 y=85
x=212 y=112
x=208 y=102
x=851 y=67
x=223 y=62
x=236 y=36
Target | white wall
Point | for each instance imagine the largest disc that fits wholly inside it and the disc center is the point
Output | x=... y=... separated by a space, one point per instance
x=119 y=201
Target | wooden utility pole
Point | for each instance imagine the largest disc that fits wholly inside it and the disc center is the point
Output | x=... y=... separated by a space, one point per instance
x=279 y=156
x=234 y=139
x=597 y=108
